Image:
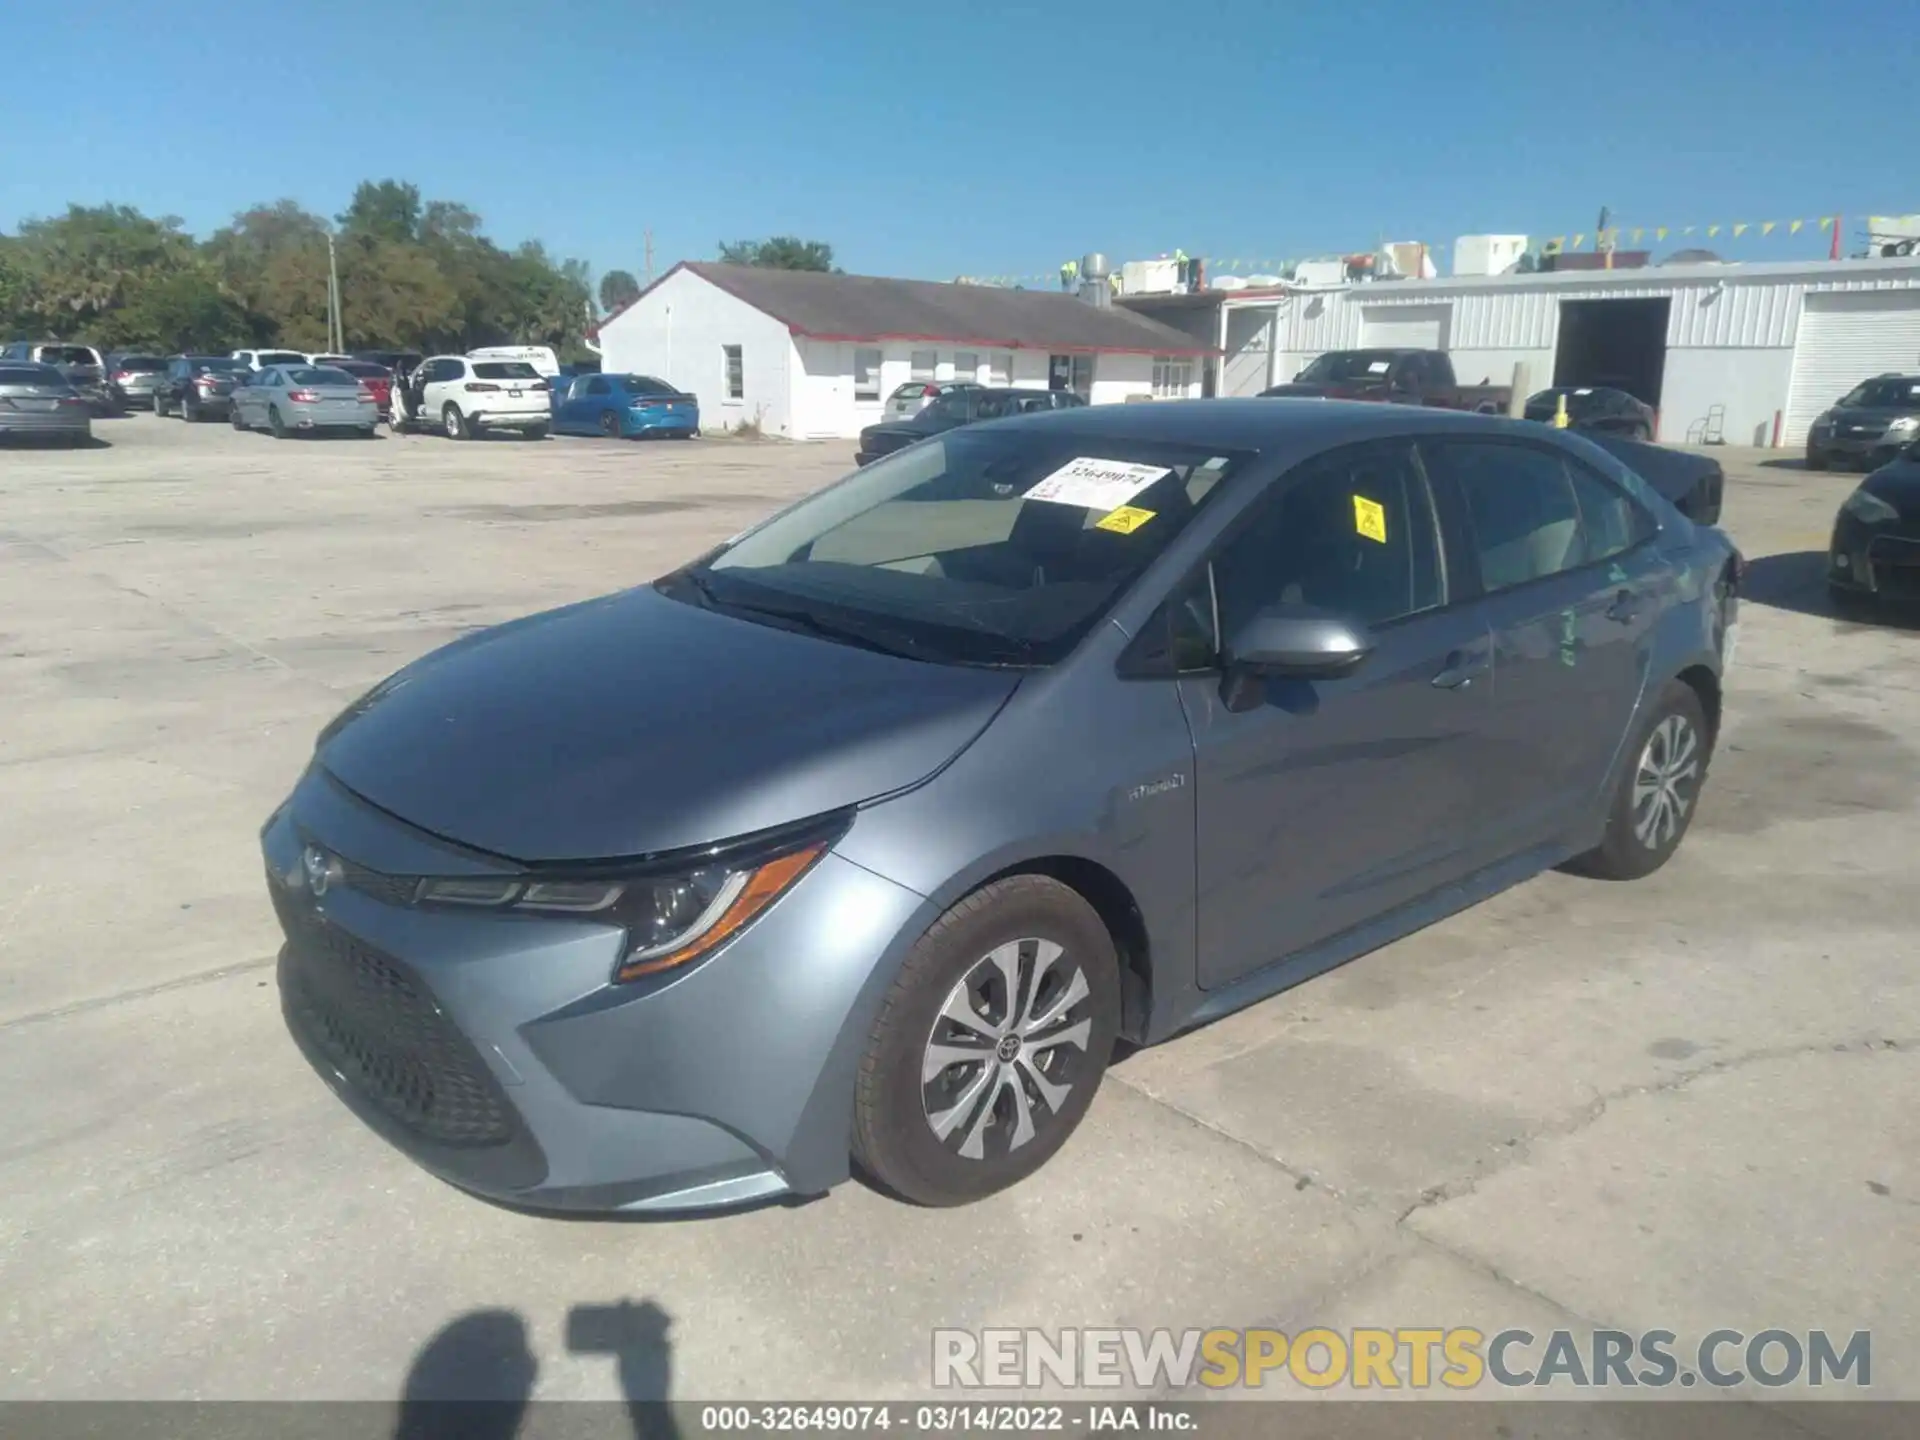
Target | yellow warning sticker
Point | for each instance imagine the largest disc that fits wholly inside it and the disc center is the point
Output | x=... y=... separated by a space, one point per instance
x=1370 y=518
x=1125 y=520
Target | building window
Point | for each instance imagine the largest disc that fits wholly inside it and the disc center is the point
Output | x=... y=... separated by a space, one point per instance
x=925 y=362
x=1172 y=377
x=736 y=378
x=866 y=374
x=1000 y=367
x=966 y=365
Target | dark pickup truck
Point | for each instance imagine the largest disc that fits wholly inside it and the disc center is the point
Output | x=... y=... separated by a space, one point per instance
x=1402 y=377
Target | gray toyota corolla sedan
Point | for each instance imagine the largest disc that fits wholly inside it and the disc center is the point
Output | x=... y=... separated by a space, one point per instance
x=860 y=839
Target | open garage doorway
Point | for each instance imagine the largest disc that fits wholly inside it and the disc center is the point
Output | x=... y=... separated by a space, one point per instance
x=1617 y=343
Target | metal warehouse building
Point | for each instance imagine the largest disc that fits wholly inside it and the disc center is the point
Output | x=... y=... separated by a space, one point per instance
x=1719 y=350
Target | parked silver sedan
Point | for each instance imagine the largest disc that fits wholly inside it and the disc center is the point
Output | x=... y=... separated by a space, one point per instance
x=38 y=400
x=302 y=399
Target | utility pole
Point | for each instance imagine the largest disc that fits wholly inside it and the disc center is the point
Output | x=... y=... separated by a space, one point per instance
x=336 y=327
x=649 y=265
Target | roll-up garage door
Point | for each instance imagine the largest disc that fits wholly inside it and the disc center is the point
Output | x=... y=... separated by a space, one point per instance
x=1846 y=338
x=1404 y=327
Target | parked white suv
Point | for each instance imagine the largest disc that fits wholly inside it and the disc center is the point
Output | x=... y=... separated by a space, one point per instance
x=258 y=360
x=464 y=397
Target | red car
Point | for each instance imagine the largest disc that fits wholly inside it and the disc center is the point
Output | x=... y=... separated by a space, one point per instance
x=377 y=378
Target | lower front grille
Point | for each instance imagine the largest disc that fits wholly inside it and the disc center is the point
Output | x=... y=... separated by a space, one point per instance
x=379 y=1028
x=1896 y=566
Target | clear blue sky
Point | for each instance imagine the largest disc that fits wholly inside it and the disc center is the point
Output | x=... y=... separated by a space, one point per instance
x=936 y=139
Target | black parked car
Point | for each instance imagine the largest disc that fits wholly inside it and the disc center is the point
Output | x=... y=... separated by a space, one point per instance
x=1870 y=426
x=198 y=386
x=1875 y=551
x=1596 y=409
x=961 y=405
x=1695 y=484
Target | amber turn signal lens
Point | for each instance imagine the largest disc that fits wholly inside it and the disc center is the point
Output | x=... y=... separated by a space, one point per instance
x=763 y=887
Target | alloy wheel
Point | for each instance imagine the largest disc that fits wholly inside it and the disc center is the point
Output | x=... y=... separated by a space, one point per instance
x=1006 y=1049
x=1665 y=782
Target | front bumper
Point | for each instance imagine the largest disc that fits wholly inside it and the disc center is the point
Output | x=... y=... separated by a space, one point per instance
x=1879 y=560
x=1866 y=449
x=495 y=1051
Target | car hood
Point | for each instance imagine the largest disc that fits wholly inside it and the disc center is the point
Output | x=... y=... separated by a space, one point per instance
x=1898 y=484
x=1868 y=414
x=894 y=434
x=634 y=724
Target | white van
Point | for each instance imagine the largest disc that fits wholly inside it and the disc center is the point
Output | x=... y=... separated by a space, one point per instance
x=539 y=357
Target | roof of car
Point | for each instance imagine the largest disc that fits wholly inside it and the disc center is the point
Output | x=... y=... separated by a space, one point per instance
x=1261 y=424
x=871 y=307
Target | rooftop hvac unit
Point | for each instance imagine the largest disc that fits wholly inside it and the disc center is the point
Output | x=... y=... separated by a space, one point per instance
x=1487 y=254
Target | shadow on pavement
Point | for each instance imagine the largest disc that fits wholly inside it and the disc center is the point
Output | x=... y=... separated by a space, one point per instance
x=474 y=1379
x=1797 y=581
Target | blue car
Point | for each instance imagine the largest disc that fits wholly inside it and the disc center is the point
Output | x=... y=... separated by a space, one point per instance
x=623 y=406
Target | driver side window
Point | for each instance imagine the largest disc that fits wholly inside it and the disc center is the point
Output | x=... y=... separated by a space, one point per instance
x=1351 y=532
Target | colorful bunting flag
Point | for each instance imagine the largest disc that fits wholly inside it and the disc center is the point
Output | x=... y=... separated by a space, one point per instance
x=1794 y=228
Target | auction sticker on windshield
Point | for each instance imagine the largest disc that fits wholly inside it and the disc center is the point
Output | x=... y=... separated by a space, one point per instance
x=1102 y=485
x=1124 y=521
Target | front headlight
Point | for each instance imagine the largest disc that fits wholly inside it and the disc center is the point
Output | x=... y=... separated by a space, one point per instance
x=670 y=920
x=1868 y=508
x=1905 y=428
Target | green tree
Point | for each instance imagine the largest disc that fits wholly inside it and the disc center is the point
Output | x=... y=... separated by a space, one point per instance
x=384 y=210
x=782 y=252
x=81 y=267
x=188 y=310
x=618 y=289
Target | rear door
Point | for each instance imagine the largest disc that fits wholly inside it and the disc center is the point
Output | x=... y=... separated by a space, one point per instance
x=1571 y=584
x=1322 y=804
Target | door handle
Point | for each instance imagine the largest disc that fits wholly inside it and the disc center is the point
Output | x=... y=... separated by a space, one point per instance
x=1625 y=606
x=1461 y=670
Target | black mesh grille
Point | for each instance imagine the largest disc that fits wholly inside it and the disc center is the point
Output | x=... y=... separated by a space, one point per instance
x=376 y=1025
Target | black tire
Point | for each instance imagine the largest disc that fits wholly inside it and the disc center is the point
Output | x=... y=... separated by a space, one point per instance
x=369 y=432
x=610 y=424
x=535 y=432
x=274 y=423
x=159 y=407
x=1816 y=460
x=454 y=423
x=981 y=1102
x=1673 y=745
x=189 y=411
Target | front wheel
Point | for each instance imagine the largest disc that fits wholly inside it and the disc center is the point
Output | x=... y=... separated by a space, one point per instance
x=1816 y=460
x=159 y=407
x=1658 y=790
x=990 y=1044
x=456 y=424
x=233 y=417
x=610 y=424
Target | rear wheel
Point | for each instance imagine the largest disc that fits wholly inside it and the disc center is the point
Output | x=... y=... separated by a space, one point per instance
x=1658 y=790
x=455 y=423
x=233 y=417
x=990 y=1044
x=610 y=424
x=159 y=406
x=535 y=432
x=275 y=423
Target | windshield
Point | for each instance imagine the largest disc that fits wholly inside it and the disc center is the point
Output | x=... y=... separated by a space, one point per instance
x=318 y=375
x=215 y=364
x=365 y=369
x=1884 y=395
x=1350 y=365
x=505 y=370
x=66 y=355
x=1579 y=401
x=976 y=547
x=279 y=357
x=141 y=364
x=644 y=385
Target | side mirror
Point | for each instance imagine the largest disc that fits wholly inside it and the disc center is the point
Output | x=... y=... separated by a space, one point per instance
x=1298 y=644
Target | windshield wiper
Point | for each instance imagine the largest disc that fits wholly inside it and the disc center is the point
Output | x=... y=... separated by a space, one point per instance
x=879 y=638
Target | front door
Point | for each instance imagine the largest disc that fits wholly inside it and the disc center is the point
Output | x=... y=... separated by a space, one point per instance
x=1321 y=804
x=1571 y=586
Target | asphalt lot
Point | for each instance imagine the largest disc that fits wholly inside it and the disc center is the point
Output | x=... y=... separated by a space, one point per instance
x=1688 y=1103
